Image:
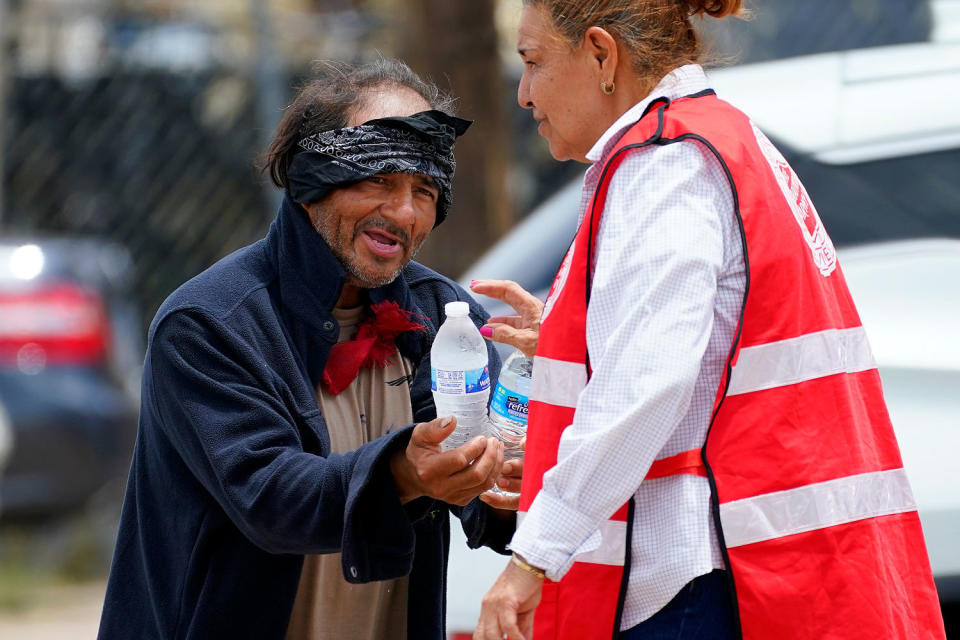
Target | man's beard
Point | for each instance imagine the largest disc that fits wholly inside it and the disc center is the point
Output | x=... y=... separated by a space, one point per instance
x=350 y=263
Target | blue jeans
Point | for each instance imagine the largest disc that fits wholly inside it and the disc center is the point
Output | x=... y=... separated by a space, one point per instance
x=703 y=610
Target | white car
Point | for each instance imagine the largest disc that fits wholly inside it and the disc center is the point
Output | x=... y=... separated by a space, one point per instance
x=875 y=136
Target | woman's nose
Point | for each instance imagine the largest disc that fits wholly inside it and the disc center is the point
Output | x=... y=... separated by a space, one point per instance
x=523 y=93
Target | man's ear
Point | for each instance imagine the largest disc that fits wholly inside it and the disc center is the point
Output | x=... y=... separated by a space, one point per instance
x=602 y=46
x=306 y=208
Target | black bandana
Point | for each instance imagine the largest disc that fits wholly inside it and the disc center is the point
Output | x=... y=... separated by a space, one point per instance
x=421 y=143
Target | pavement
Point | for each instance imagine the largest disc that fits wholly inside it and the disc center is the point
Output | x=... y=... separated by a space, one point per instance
x=67 y=612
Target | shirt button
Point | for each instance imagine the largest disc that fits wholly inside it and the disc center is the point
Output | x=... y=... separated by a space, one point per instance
x=328 y=326
x=353 y=571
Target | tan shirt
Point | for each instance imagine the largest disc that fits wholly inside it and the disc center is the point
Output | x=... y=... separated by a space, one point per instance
x=327 y=607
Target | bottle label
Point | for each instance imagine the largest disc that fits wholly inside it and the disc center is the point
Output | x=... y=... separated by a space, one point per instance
x=509 y=404
x=457 y=382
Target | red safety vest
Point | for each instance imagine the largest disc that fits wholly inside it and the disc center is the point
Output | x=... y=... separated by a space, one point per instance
x=816 y=518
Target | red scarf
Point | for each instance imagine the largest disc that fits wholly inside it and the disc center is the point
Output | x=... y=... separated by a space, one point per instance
x=371 y=347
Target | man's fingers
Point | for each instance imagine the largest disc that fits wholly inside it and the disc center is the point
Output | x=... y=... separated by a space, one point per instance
x=433 y=432
x=478 y=477
x=449 y=463
x=485 y=468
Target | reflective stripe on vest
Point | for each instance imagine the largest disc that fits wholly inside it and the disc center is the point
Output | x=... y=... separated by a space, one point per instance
x=816 y=506
x=807 y=357
x=557 y=382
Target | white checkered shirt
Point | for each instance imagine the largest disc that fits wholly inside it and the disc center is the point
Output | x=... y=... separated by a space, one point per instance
x=666 y=297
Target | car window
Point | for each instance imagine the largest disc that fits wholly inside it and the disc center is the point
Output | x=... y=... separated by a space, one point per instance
x=916 y=196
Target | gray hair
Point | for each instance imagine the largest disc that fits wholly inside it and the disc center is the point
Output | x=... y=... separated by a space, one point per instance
x=327 y=101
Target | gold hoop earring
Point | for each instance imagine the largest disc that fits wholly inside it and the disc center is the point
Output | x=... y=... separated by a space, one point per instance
x=607 y=91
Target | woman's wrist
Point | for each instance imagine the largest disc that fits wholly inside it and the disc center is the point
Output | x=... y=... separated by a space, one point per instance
x=526 y=566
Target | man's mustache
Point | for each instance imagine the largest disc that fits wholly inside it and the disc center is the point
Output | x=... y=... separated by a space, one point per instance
x=382 y=225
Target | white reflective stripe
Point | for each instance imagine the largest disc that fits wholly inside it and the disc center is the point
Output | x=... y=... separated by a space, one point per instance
x=808 y=357
x=816 y=506
x=613 y=543
x=557 y=382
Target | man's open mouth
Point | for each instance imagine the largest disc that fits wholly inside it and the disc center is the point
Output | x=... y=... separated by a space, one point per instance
x=382 y=243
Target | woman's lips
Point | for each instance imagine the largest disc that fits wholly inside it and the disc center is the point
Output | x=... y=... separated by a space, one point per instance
x=382 y=244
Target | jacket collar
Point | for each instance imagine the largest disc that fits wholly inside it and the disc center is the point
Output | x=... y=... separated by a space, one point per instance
x=309 y=281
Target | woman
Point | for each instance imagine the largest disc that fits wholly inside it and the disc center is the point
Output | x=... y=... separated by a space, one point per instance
x=703 y=362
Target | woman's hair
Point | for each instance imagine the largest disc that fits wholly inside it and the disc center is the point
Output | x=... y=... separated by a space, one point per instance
x=657 y=33
x=327 y=101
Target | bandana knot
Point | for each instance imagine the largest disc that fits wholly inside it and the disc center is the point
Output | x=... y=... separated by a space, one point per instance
x=371 y=348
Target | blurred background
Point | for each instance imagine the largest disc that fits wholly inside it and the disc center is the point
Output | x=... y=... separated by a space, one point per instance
x=129 y=131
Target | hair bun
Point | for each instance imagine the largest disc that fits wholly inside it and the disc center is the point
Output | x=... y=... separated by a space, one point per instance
x=715 y=8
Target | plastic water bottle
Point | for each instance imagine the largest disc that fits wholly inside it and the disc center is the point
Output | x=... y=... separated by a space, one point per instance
x=508 y=409
x=459 y=375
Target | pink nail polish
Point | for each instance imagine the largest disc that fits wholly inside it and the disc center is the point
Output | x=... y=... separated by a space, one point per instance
x=486 y=332
x=473 y=282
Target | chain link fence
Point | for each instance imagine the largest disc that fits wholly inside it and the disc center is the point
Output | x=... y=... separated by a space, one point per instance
x=143 y=131
x=152 y=145
x=136 y=158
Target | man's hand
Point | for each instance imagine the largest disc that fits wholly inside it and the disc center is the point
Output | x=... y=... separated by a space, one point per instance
x=423 y=469
x=507 y=610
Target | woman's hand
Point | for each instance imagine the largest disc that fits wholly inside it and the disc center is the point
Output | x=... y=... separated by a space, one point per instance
x=510 y=479
x=521 y=331
x=508 y=607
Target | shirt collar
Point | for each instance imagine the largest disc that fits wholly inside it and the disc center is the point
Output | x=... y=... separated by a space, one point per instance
x=682 y=81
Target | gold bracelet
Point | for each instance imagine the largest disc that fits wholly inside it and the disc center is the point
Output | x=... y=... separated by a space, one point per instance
x=517 y=560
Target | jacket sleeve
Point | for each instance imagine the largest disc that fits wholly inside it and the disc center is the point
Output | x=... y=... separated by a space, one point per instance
x=223 y=410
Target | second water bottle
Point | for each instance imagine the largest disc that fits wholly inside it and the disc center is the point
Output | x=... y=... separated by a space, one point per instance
x=510 y=404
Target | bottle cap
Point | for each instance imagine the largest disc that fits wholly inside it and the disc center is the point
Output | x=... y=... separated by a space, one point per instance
x=457 y=308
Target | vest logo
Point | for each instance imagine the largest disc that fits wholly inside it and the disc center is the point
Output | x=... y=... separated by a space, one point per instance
x=558 y=283
x=821 y=247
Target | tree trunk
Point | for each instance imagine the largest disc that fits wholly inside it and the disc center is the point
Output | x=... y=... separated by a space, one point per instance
x=454 y=43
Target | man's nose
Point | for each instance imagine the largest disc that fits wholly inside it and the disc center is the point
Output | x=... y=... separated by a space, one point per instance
x=399 y=205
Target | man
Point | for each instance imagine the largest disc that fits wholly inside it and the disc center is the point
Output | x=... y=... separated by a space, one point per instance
x=274 y=490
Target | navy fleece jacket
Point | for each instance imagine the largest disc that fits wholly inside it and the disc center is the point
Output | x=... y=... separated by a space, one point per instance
x=232 y=478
